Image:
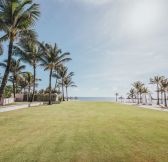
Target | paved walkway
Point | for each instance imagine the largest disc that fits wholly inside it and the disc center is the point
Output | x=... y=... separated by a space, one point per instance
x=152 y=107
x=20 y=106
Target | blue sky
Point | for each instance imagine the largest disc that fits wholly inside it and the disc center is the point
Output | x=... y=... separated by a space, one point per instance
x=112 y=42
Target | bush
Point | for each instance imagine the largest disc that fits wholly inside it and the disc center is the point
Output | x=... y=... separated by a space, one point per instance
x=8 y=91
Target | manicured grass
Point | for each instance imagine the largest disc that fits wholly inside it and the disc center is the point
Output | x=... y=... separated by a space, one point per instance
x=84 y=132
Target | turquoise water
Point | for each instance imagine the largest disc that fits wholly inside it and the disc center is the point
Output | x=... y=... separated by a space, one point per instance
x=99 y=99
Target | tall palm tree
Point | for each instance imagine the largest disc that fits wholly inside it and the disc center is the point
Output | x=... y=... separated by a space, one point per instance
x=116 y=94
x=164 y=85
x=51 y=59
x=16 y=20
x=31 y=53
x=139 y=90
x=15 y=70
x=157 y=80
x=68 y=83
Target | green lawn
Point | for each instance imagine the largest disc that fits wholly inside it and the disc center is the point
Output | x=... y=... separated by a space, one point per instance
x=84 y=132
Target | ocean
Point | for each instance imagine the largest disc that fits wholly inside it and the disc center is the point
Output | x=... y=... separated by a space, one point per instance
x=97 y=99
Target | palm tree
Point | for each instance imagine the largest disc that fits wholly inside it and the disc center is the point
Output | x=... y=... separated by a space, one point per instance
x=52 y=59
x=56 y=76
x=139 y=90
x=161 y=90
x=157 y=80
x=63 y=74
x=31 y=53
x=28 y=82
x=116 y=94
x=132 y=94
x=164 y=85
x=145 y=91
x=68 y=83
x=15 y=69
x=16 y=19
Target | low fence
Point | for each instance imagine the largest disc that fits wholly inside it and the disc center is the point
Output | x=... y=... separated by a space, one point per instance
x=6 y=101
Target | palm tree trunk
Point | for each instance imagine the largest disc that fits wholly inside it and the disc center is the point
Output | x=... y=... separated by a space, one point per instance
x=7 y=70
x=165 y=98
x=34 y=83
x=56 y=84
x=29 y=93
x=50 y=76
x=67 y=93
x=138 y=98
x=162 y=98
x=14 y=89
x=63 y=98
x=145 y=99
x=116 y=99
x=158 y=100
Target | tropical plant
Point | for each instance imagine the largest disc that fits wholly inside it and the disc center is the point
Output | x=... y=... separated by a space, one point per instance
x=56 y=76
x=8 y=91
x=68 y=83
x=139 y=90
x=17 y=17
x=31 y=53
x=145 y=91
x=28 y=82
x=121 y=98
x=157 y=80
x=52 y=58
x=15 y=70
x=164 y=85
x=63 y=74
x=132 y=94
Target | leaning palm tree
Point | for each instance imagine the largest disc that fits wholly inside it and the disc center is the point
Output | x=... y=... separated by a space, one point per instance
x=68 y=83
x=15 y=69
x=17 y=17
x=139 y=89
x=31 y=53
x=157 y=80
x=52 y=58
x=164 y=85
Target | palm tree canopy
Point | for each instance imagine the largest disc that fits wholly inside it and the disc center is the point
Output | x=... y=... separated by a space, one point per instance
x=132 y=93
x=156 y=79
x=29 y=52
x=164 y=85
x=68 y=82
x=17 y=17
x=138 y=86
x=16 y=66
x=145 y=90
x=53 y=57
